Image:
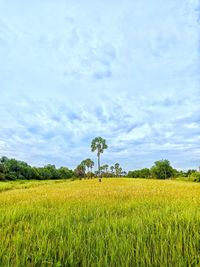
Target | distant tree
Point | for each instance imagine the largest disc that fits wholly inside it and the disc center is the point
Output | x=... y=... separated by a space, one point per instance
x=4 y=159
x=120 y=171
x=89 y=164
x=2 y=172
x=53 y=172
x=134 y=174
x=117 y=169
x=35 y=173
x=65 y=173
x=83 y=162
x=162 y=170
x=12 y=169
x=195 y=176
x=44 y=173
x=190 y=171
x=106 y=167
x=124 y=173
x=143 y=173
x=80 y=171
x=2 y=177
x=181 y=174
x=99 y=144
x=104 y=170
x=112 y=168
x=2 y=168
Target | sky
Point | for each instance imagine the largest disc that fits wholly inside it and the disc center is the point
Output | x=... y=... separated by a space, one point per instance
x=128 y=71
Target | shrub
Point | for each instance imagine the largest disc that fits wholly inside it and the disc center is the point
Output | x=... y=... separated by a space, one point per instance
x=195 y=176
x=2 y=177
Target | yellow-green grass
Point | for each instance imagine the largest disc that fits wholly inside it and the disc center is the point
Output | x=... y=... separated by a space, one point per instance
x=24 y=184
x=119 y=222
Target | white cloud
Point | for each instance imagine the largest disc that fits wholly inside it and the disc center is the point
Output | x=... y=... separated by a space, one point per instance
x=125 y=70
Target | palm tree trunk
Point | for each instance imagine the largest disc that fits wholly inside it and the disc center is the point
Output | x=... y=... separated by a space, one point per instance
x=88 y=173
x=99 y=167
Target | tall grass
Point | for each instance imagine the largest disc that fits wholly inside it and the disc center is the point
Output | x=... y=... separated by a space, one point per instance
x=24 y=184
x=119 y=222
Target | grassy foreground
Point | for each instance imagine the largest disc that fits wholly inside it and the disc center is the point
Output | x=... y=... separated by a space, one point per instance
x=119 y=222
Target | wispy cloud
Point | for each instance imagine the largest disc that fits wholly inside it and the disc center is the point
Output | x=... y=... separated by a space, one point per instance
x=128 y=71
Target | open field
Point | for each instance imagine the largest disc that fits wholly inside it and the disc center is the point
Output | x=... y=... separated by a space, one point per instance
x=119 y=222
x=24 y=184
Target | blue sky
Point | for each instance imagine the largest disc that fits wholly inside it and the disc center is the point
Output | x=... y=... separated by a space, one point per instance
x=124 y=70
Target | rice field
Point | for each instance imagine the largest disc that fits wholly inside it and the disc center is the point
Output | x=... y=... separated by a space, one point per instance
x=119 y=222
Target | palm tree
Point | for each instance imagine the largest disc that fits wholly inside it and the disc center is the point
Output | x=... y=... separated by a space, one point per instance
x=87 y=163
x=106 y=167
x=83 y=163
x=112 y=169
x=80 y=171
x=100 y=145
x=91 y=166
x=117 y=169
x=102 y=169
x=120 y=172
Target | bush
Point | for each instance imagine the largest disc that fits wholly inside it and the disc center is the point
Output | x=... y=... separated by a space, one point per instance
x=195 y=176
x=11 y=176
x=2 y=177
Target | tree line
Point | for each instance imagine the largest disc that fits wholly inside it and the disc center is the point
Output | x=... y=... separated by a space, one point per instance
x=12 y=169
x=84 y=170
x=162 y=169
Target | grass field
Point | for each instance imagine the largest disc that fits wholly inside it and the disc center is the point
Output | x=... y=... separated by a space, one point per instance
x=119 y=222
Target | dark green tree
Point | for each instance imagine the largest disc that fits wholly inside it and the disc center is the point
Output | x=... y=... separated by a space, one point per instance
x=162 y=169
x=80 y=171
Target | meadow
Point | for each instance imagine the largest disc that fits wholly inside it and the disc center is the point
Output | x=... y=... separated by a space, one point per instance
x=119 y=222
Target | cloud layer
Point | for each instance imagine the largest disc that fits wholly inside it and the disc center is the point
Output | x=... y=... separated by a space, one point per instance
x=127 y=71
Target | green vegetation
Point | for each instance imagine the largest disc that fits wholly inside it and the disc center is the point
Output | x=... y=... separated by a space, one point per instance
x=120 y=222
x=99 y=144
x=195 y=176
x=25 y=184
x=12 y=169
x=161 y=170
